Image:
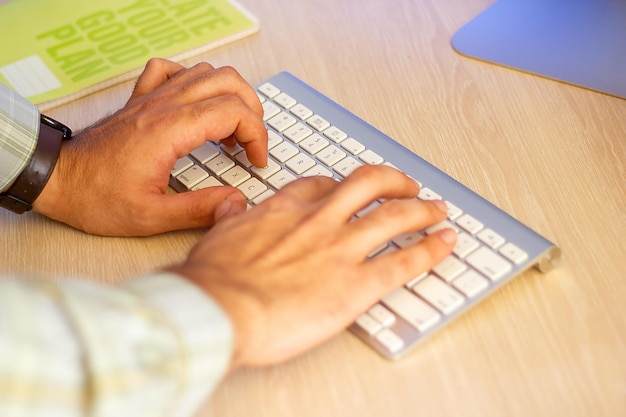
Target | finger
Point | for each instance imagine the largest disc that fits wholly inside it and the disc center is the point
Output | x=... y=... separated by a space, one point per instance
x=220 y=118
x=390 y=271
x=389 y=220
x=156 y=72
x=186 y=79
x=366 y=184
x=306 y=189
x=191 y=73
x=202 y=82
x=194 y=209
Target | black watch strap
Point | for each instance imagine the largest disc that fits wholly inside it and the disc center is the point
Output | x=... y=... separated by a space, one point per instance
x=29 y=184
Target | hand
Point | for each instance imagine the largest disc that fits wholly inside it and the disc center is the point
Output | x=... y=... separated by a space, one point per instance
x=111 y=179
x=294 y=271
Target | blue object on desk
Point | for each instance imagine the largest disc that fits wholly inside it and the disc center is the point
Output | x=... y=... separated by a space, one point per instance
x=581 y=42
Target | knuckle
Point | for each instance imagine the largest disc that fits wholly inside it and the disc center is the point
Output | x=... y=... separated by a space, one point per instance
x=155 y=63
x=228 y=70
x=204 y=66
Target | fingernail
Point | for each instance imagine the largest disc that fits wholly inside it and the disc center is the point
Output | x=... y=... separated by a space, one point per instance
x=222 y=210
x=448 y=235
x=441 y=205
x=232 y=205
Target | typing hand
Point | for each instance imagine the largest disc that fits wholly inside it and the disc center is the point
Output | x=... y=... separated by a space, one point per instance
x=111 y=179
x=294 y=271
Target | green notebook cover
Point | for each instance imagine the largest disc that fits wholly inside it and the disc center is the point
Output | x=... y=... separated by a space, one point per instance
x=54 y=51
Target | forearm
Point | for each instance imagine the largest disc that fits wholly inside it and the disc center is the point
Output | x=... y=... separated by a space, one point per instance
x=152 y=346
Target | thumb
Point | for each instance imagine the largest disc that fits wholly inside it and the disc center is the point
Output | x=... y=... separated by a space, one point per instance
x=200 y=208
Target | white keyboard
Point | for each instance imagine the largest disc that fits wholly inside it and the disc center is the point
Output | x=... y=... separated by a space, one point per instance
x=311 y=135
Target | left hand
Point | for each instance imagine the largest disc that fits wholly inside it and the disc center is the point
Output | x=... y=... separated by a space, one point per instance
x=112 y=177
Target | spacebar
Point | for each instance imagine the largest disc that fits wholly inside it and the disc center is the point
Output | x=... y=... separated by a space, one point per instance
x=413 y=310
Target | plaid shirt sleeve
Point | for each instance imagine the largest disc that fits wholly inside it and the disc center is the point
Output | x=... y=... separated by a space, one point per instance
x=152 y=346
x=19 y=131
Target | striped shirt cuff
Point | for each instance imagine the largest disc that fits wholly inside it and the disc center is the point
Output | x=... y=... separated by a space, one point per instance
x=204 y=331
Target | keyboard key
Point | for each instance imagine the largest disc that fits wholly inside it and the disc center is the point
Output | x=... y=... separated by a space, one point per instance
x=335 y=134
x=417 y=279
x=408 y=239
x=346 y=166
x=281 y=121
x=313 y=144
x=280 y=179
x=438 y=294
x=353 y=146
x=206 y=152
x=284 y=101
x=453 y=211
x=242 y=158
x=330 y=155
x=469 y=224
x=513 y=253
x=389 y=249
x=470 y=283
x=300 y=163
x=283 y=151
x=264 y=173
x=269 y=90
x=378 y=250
x=369 y=208
x=465 y=245
x=449 y=268
x=220 y=164
x=317 y=122
x=382 y=315
x=490 y=238
x=428 y=194
x=235 y=176
x=297 y=133
x=252 y=188
x=263 y=196
x=207 y=182
x=370 y=157
x=273 y=139
x=192 y=176
x=489 y=263
x=415 y=311
x=231 y=150
x=440 y=226
x=368 y=323
x=301 y=112
x=180 y=165
x=270 y=110
x=390 y=340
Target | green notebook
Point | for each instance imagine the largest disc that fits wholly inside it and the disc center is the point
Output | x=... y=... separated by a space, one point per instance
x=54 y=51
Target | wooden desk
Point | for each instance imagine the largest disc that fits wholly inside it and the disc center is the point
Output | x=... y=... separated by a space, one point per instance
x=551 y=154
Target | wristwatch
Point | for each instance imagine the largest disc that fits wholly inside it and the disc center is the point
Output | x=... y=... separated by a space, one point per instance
x=29 y=184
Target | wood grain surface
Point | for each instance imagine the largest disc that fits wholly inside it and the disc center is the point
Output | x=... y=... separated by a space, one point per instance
x=551 y=154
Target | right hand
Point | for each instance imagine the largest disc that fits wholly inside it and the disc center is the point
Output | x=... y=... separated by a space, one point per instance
x=294 y=270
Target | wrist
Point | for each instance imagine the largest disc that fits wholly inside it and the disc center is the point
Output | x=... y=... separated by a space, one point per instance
x=234 y=302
